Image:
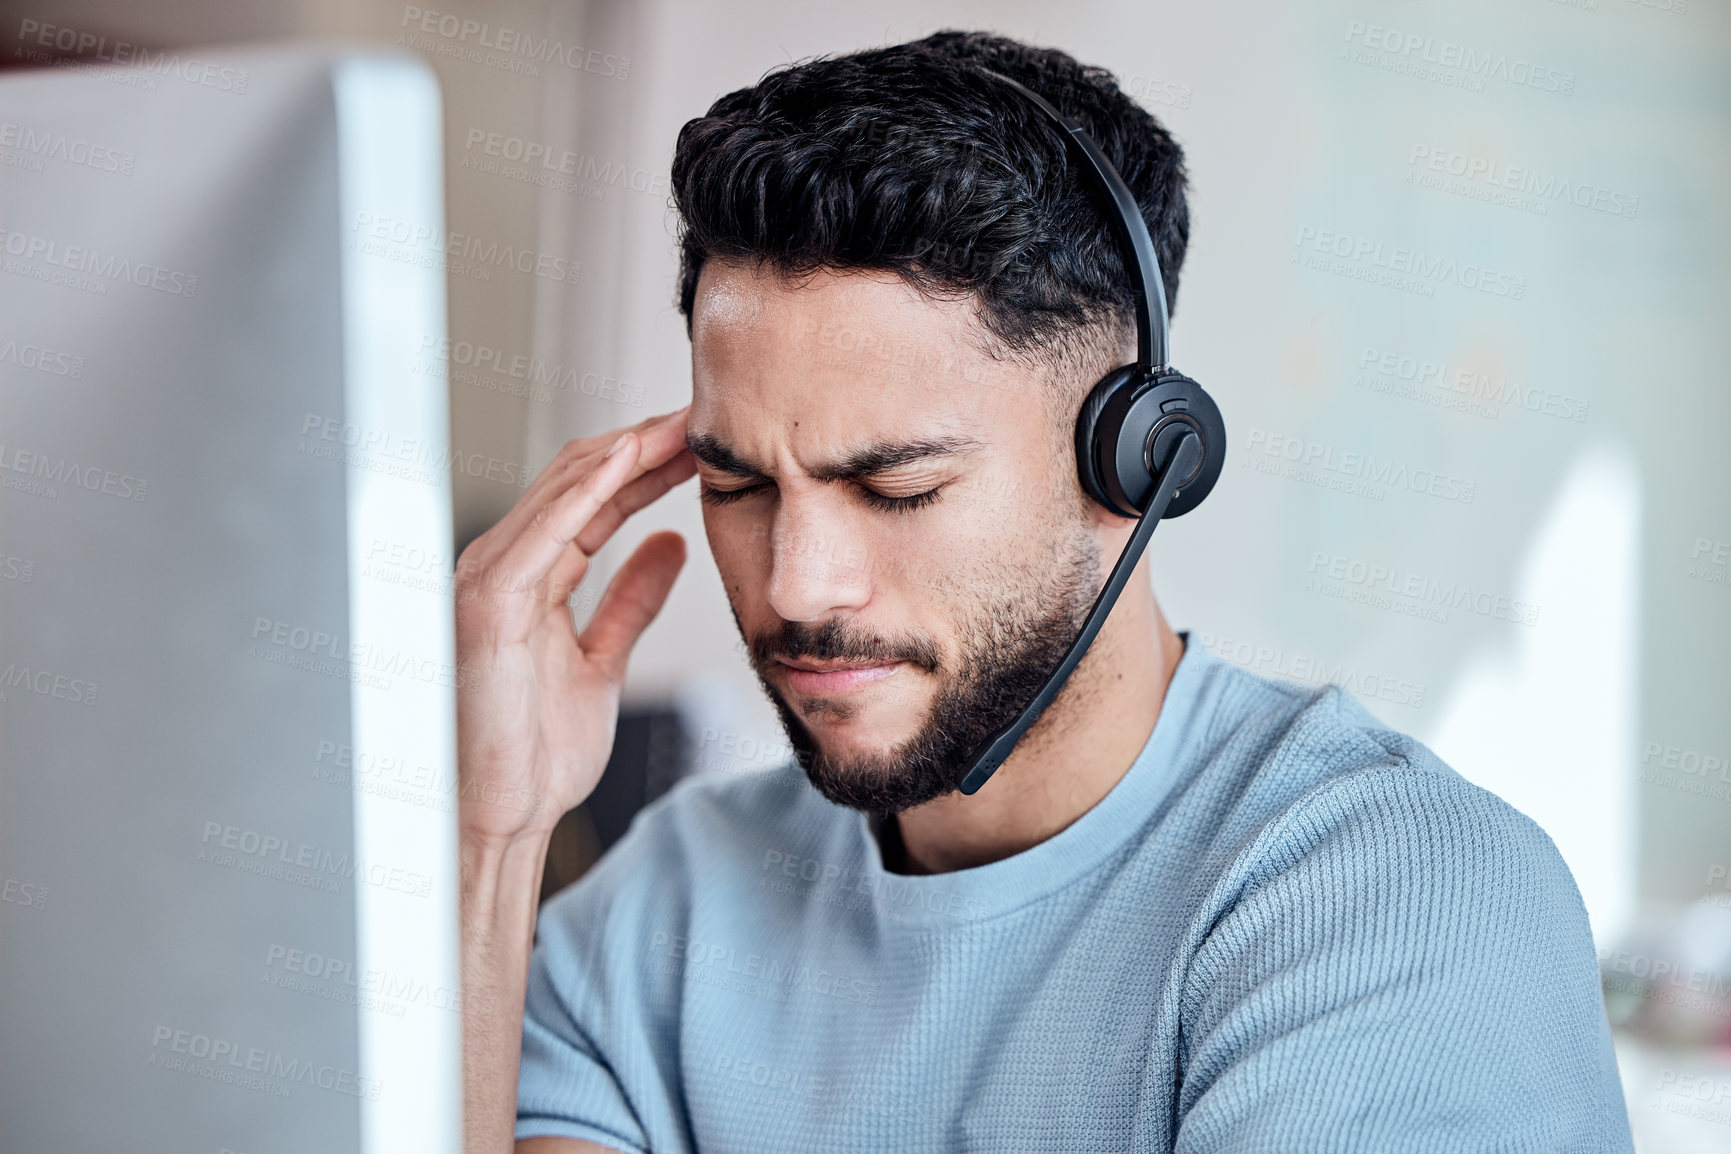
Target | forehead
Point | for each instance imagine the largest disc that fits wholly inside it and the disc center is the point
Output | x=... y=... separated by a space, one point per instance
x=837 y=357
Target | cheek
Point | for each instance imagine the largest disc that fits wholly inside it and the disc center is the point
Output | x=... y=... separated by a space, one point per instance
x=739 y=542
x=926 y=565
x=931 y=558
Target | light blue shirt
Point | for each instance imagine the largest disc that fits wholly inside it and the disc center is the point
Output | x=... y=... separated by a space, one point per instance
x=1287 y=928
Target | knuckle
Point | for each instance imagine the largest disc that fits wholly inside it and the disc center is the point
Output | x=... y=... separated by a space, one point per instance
x=473 y=551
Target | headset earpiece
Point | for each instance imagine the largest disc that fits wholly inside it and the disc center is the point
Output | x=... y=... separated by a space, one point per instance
x=1128 y=429
x=1138 y=423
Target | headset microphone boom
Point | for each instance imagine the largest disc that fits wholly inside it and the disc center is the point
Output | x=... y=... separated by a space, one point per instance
x=1149 y=440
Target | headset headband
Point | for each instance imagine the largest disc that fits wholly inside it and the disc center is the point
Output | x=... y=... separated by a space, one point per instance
x=1151 y=359
x=1146 y=284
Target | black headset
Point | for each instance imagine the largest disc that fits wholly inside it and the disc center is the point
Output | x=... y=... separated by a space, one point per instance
x=1149 y=440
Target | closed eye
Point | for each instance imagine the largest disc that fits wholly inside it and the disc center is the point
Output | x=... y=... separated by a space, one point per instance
x=900 y=504
x=726 y=496
x=872 y=497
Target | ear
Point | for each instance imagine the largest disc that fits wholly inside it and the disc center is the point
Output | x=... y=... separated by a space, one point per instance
x=1106 y=521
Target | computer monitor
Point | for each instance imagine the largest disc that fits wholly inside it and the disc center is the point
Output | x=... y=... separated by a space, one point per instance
x=227 y=736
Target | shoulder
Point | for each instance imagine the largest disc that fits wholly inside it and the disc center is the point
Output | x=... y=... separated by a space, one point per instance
x=1410 y=826
x=1367 y=911
x=1331 y=814
x=1296 y=736
x=708 y=827
x=1292 y=772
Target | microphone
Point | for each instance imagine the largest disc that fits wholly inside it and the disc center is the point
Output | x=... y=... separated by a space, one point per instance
x=1185 y=460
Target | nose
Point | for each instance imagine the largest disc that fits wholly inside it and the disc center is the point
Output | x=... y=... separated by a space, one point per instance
x=815 y=566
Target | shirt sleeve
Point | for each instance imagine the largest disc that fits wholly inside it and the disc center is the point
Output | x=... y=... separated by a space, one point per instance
x=565 y=1086
x=600 y=1056
x=1403 y=963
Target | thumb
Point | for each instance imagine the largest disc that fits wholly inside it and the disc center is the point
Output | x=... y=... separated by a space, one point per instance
x=631 y=601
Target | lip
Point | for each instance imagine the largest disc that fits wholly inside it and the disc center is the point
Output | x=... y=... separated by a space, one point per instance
x=839 y=679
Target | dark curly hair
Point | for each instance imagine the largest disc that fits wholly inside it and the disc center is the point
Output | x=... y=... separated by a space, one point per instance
x=907 y=159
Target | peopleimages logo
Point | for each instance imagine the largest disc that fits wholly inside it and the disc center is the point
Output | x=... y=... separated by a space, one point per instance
x=1388 y=367
x=1660 y=761
x=1531 y=190
x=785 y=872
x=39 y=474
x=455 y=252
x=555 y=161
x=384 y=451
x=1446 y=61
x=26 y=894
x=466 y=361
x=523 y=51
x=38 y=145
x=1413 y=594
x=1293 y=666
x=1409 y=269
x=1319 y=463
x=765 y=975
x=42 y=360
x=46 y=683
x=297 y=862
x=337 y=979
x=87 y=262
x=1148 y=88
x=256 y=1068
x=1710 y=561
x=89 y=48
x=323 y=651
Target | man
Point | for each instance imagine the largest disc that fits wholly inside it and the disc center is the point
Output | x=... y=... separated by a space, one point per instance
x=1195 y=910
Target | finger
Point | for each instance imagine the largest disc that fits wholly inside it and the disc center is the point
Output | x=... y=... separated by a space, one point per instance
x=666 y=442
x=529 y=558
x=633 y=598
x=573 y=564
x=574 y=461
x=567 y=573
x=661 y=436
x=645 y=490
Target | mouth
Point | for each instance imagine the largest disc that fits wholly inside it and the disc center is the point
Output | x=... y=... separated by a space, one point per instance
x=824 y=678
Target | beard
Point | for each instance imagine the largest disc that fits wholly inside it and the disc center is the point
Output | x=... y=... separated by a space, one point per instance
x=1008 y=644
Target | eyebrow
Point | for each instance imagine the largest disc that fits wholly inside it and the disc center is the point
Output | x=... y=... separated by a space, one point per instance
x=866 y=461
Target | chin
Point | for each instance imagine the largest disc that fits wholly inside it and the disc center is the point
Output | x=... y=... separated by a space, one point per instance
x=878 y=785
x=870 y=766
x=854 y=743
x=879 y=748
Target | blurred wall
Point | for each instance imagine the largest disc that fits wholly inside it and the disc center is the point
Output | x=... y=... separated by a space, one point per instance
x=1458 y=278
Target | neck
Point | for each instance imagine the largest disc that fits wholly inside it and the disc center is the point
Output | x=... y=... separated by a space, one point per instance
x=1071 y=758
